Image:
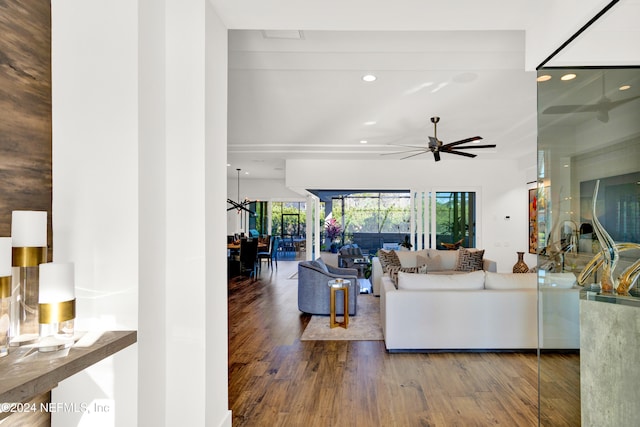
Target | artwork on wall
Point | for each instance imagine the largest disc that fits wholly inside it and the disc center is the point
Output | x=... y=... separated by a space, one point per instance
x=533 y=220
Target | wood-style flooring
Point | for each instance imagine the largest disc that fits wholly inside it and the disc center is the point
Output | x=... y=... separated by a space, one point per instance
x=277 y=380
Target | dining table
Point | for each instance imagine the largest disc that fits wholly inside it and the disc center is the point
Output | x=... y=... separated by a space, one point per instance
x=235 y=246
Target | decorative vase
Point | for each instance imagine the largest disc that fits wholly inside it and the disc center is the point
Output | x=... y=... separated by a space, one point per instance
x=520 y=266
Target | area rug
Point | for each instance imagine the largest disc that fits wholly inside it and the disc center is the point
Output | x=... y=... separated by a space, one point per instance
x=365 y=326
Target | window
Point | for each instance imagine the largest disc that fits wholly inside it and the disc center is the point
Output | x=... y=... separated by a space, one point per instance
x=288 y=218
x=456 y=218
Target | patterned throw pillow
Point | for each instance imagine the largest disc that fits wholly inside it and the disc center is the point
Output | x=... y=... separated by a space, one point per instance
x=469 y=260
x=388 y=259
x=393 y=271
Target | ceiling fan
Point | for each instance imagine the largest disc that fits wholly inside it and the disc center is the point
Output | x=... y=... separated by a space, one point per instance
x=601 y=108
x=436 y=146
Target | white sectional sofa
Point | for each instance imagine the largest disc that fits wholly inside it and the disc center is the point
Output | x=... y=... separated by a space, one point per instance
x=469 y=311
x=481 y=310
x=440 y=261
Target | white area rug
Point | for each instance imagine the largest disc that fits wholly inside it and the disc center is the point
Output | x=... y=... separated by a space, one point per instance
x=365 y=326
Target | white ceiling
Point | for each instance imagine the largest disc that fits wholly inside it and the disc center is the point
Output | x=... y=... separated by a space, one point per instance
x=304 y=97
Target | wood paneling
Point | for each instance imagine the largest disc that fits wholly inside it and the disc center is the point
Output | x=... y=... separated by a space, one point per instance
x=25 y=109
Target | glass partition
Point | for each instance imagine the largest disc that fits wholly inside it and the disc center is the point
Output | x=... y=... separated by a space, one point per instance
x=588 y=139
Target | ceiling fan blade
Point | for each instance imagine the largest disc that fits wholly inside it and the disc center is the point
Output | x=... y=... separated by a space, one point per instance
x=461 y=153
x=417 y=147
x=404 y=152
x=436 y=155
x=462 y=141
x=620 y=102
x=413 y=155
x=475 y=146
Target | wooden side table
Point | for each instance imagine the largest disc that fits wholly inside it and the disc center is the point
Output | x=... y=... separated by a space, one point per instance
x=335 y=286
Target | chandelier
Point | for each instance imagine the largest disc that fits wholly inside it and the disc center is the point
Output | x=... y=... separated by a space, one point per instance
x=240 y=205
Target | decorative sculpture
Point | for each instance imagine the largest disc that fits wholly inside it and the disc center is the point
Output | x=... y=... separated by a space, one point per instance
x=608 y=257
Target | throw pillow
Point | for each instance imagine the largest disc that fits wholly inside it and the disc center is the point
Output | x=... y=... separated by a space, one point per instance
x=321 y=265
x=469 y=260
x=388 y=259
x=393 y=272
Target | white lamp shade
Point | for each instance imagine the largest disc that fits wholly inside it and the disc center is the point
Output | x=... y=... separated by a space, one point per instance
x=5 y=256
x=56 y=282
x=29 y=229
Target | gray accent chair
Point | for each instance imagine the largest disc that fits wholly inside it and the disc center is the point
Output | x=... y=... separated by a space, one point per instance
x=313 y=288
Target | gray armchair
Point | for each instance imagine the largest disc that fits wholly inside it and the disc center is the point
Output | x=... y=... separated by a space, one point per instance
x=313 y=288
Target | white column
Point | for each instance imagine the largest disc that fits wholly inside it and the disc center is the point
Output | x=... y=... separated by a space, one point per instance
x=95 y=192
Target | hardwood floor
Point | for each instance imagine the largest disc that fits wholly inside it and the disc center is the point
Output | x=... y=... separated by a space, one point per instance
x=277 y=380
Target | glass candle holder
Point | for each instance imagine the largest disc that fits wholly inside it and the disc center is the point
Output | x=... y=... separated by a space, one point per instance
x=29 y=250
x=57 y=306
x=5 y=294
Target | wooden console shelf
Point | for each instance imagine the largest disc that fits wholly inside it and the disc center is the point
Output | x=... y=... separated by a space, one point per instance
x=27 y=374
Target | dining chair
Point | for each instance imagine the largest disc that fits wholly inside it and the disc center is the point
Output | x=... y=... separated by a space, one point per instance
x=249 y=257
x=267 y=255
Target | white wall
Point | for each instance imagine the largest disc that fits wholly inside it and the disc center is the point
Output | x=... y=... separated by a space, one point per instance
x=138 y=132
x=216 y=372
x=501 y=185
x=95 y=191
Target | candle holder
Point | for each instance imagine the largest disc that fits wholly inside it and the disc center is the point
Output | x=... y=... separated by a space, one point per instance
x=5 y=294
x=57 y=306
x=29 y=242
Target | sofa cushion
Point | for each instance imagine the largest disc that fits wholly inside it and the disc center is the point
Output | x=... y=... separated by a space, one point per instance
x=447 y=259
x=393 y=272
x=469 y=260
x=468 y=281
x=510 y=280
x=433 y=263
x=351 y=250
x=388 y=258
x=410 y=258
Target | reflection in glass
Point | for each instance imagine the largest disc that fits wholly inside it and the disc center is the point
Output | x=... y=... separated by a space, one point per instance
x=588 y=130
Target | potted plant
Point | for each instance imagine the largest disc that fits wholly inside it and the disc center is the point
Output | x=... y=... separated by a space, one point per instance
x=333 y=232
x=406 y=243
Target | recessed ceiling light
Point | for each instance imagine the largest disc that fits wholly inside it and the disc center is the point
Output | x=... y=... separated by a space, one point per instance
x=569 y=76
x=370 y=123
x=369 y=78
x=246 y=173
x=625 y=87
x=228 y=164
x=543 y=78
x=566 y=166
x=362 y=141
